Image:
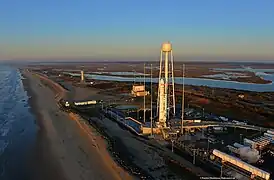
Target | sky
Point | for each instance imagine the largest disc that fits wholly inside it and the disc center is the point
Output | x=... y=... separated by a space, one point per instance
x=135 y=29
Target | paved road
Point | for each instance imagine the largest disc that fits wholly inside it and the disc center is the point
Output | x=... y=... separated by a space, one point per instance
x=205 y=124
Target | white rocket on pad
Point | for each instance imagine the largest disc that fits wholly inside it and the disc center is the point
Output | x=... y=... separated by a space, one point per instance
x=166 y=91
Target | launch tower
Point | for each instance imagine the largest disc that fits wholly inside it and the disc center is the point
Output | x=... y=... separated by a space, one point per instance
x=166 y=95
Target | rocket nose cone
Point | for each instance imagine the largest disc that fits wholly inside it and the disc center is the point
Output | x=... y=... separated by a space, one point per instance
x=162 y=81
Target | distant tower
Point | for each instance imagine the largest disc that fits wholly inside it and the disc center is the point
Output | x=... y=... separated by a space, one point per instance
x=166 y=76
x=82 y=76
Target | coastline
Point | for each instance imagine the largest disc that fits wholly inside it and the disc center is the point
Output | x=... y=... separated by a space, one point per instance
x=66 y=146
x=42 y=163
x=151 y=163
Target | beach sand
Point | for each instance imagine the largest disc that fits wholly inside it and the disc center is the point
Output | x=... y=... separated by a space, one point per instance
x=66 y=147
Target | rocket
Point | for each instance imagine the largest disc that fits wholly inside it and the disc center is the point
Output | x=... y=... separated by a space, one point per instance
x=162 y=103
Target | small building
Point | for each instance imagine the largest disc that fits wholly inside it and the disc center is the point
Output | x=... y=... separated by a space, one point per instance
x=258 y=143
x=219 y=129
x=212 y=140
x=262 y=142
x=83 y=103
x=241 y=96
x=67 y=104
x=139 y=91
x=250 y=143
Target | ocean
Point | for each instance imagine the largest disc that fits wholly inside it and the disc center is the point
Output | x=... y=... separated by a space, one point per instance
x=17 y=127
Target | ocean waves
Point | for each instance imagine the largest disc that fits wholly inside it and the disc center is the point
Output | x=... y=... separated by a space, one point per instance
x=17 y=125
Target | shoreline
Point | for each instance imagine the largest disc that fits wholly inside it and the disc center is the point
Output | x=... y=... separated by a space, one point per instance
x=52 y=142
x=42 y=159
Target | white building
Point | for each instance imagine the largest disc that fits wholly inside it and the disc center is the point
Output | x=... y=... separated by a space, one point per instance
x=139 y=91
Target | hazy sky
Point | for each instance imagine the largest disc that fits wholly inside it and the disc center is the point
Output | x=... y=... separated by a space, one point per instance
x=135 y=29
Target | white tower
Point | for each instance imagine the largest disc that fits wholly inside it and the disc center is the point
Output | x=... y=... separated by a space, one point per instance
x=167 y=75
x=82 y=76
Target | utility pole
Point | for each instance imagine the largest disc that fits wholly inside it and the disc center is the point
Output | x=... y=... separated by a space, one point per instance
x=151 y=108
x=194 y=154
x=221 y=174
x=207 y=145
x=172 y=144
x=134 y=74
x=183 y=101
x=145 y=92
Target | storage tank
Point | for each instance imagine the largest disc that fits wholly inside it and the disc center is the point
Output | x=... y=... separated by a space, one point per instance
x=270 y=132
x=249 y=142
x=166 y=47
x=237 y=145
x=269 y=135
x=236 y=161
x=233 y=149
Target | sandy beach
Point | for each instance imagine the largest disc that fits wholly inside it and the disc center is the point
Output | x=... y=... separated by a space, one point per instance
x=48 y=167
x=67 y=148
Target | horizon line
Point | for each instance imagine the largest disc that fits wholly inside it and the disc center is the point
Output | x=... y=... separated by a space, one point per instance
x=133 y=61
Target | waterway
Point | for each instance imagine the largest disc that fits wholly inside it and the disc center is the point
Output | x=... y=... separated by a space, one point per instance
x=201 y=81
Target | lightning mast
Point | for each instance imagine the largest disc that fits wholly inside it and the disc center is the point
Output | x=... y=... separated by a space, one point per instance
x=183 y=101
x=151 y=107
x=166 y=95
x=145 y=91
